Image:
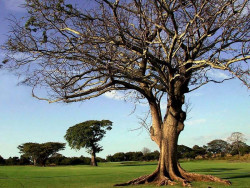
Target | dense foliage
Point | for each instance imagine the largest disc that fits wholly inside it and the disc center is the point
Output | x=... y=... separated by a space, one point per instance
x=39 y=153
x=133 y=156
x=87 y=135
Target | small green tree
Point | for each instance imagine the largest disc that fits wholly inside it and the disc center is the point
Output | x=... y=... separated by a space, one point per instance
x=87 y=135
x=39 y=153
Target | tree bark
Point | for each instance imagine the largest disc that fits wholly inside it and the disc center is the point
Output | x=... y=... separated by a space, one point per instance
x=34 y=161
x=43 y=162
x=93 y=159
x=169 y=171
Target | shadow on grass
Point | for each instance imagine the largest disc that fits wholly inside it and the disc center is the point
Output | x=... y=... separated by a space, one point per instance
x=207 y=170
x=137 y=164
x=221 y=171
x=239 y=176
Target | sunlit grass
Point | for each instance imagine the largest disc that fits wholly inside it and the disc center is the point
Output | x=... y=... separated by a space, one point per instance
x=108 y=174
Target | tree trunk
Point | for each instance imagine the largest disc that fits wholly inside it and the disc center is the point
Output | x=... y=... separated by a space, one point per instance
x=93 y=159
x=43 y=162
x=169 y=171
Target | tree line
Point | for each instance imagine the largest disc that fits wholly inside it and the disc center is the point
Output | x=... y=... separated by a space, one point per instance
x=47 y=153
x=215 y=148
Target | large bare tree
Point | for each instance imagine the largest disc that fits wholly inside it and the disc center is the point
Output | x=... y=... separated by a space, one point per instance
x=161 y=49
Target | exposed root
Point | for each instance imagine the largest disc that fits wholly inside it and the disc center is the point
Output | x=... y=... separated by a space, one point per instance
x=160 y=181
x=185 y=183
x=140 y=180
x=184 y=177
x=165 y=181
x=157 y=179
x=200 y=177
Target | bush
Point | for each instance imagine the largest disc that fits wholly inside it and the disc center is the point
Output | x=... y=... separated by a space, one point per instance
x=24 y=160
x=99 y=159
x=12 y=161
x=2 y=160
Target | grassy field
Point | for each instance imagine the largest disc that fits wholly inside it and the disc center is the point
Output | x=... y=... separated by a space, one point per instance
x=108 y=174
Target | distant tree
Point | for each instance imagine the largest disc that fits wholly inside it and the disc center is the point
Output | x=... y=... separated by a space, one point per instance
x=218 y=146
x=137 y=156
x=48 y=149
x=156 y=154
x=110 y=158
x=129 y=156
x=12 y=161
x=24 y=160
x=199 y=150
x=2 y=161
x=56 y=159
x=99 y=159
x=145 y=151
x=31 y=150
x=237 y=140
x=40 y=152
x=133 y=156
x=87 y=135
x=239 y=148
x=120 y=156
x=184 y=152
x=151 y=156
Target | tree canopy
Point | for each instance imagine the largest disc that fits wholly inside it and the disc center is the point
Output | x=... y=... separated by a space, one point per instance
x=158 y=49
x=217 y=146
x=146 y=46
x=237 y=140
x=87 y=135
x=40 y=152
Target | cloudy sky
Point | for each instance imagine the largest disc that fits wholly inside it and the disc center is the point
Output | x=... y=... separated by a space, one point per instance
x=217 y=111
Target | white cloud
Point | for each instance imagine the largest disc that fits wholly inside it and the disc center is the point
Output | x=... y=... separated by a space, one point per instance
x=196 y=121
x=128 y=97
x=216 y=74
x=114 y=95
x=14 y=5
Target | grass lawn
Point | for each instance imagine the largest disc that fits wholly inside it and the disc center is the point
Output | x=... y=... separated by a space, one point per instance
x=107 y=174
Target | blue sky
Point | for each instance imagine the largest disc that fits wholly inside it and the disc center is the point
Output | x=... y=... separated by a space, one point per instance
x=217 y=111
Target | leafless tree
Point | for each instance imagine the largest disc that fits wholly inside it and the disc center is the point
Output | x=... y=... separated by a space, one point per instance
x=237 y=139
x=145 y=151
x=155 y=48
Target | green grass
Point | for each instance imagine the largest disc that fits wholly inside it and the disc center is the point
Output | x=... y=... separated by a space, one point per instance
x=107 y=174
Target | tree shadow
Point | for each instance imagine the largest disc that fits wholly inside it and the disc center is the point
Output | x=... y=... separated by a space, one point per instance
x=239 y=176
x=215 y=169
x=221 y=171
x=137 y=164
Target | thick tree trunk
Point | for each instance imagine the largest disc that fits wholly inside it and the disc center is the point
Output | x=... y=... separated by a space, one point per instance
x=168 y=171
x=93 y=159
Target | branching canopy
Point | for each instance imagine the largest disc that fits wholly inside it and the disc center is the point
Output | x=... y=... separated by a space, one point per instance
x=87 y=135
x=83 y=51
x=40 y=152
